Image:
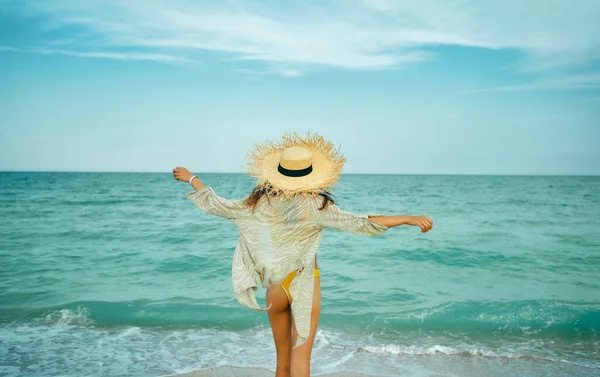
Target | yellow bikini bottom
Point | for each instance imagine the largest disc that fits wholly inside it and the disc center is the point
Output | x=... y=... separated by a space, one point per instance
x=288 y=280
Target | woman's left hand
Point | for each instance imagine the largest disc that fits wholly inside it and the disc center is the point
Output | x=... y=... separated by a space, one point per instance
x=182 y=174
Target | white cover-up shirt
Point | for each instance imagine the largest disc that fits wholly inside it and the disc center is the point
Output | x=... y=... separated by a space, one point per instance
x=280 y=236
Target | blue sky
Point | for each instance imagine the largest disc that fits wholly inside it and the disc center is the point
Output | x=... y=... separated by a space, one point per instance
x=435 y=87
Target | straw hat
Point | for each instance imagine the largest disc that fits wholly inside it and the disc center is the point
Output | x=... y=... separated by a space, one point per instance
x=296 y=165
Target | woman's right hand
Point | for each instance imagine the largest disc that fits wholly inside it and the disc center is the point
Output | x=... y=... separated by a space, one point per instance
x=423 y=222
x=182 y=174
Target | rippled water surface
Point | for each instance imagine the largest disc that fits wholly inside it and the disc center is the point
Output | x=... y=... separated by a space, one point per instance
x=106 y=274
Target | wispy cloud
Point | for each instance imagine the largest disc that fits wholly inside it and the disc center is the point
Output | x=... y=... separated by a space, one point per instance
x=569 y=82
x=289 y=73
x=349 y=34
x=104 y=55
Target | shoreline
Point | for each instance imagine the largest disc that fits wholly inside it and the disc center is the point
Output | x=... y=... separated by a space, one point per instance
x=229 y=371
x=439 y=366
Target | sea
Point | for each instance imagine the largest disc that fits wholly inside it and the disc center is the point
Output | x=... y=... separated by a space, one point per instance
x=119 y=274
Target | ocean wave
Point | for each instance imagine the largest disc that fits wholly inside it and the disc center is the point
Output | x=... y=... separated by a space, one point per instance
x=79 y=316
x=526 y=318
x=173 y=313
x=55 y=349
x=522 y=318
x=439 y=349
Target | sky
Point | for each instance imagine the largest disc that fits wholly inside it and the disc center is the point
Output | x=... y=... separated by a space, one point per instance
x=403 y=87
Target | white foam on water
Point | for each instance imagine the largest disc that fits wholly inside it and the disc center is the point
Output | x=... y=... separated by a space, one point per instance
x=435 y=350
x=80 y=316
x=69 y=343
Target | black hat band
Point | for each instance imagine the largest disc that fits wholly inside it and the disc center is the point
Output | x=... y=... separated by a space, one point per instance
x=295 y=173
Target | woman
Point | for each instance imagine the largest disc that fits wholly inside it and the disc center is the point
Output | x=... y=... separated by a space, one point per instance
x=280 y=226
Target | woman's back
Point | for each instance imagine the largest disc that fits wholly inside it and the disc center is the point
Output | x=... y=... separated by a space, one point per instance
x=296 y=214
x=279 y=234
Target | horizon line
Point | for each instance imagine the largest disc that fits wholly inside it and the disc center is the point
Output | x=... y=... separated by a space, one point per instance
x=242 y=173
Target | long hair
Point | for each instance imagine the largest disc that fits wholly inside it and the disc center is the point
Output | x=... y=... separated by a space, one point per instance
x=260 y=191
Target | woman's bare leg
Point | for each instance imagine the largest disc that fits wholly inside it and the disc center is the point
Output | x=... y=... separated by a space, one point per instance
x=300 y=362
x=280 y=318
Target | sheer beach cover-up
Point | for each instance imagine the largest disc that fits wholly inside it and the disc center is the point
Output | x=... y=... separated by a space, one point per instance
x=281 y=236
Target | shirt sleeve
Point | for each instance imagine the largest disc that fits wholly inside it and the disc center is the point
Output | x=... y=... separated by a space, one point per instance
x=334 y=217
x=208 y=201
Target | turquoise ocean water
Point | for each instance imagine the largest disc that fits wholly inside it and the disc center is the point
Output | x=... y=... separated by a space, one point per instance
x=118 y=274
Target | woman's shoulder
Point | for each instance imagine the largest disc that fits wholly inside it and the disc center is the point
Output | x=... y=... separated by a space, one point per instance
x=318 y=202
x=296 y=200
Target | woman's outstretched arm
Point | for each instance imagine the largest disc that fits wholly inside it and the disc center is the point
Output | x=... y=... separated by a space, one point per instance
x=333 y=216
x=423 y=222
x=208 y=201
x=367 y=224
